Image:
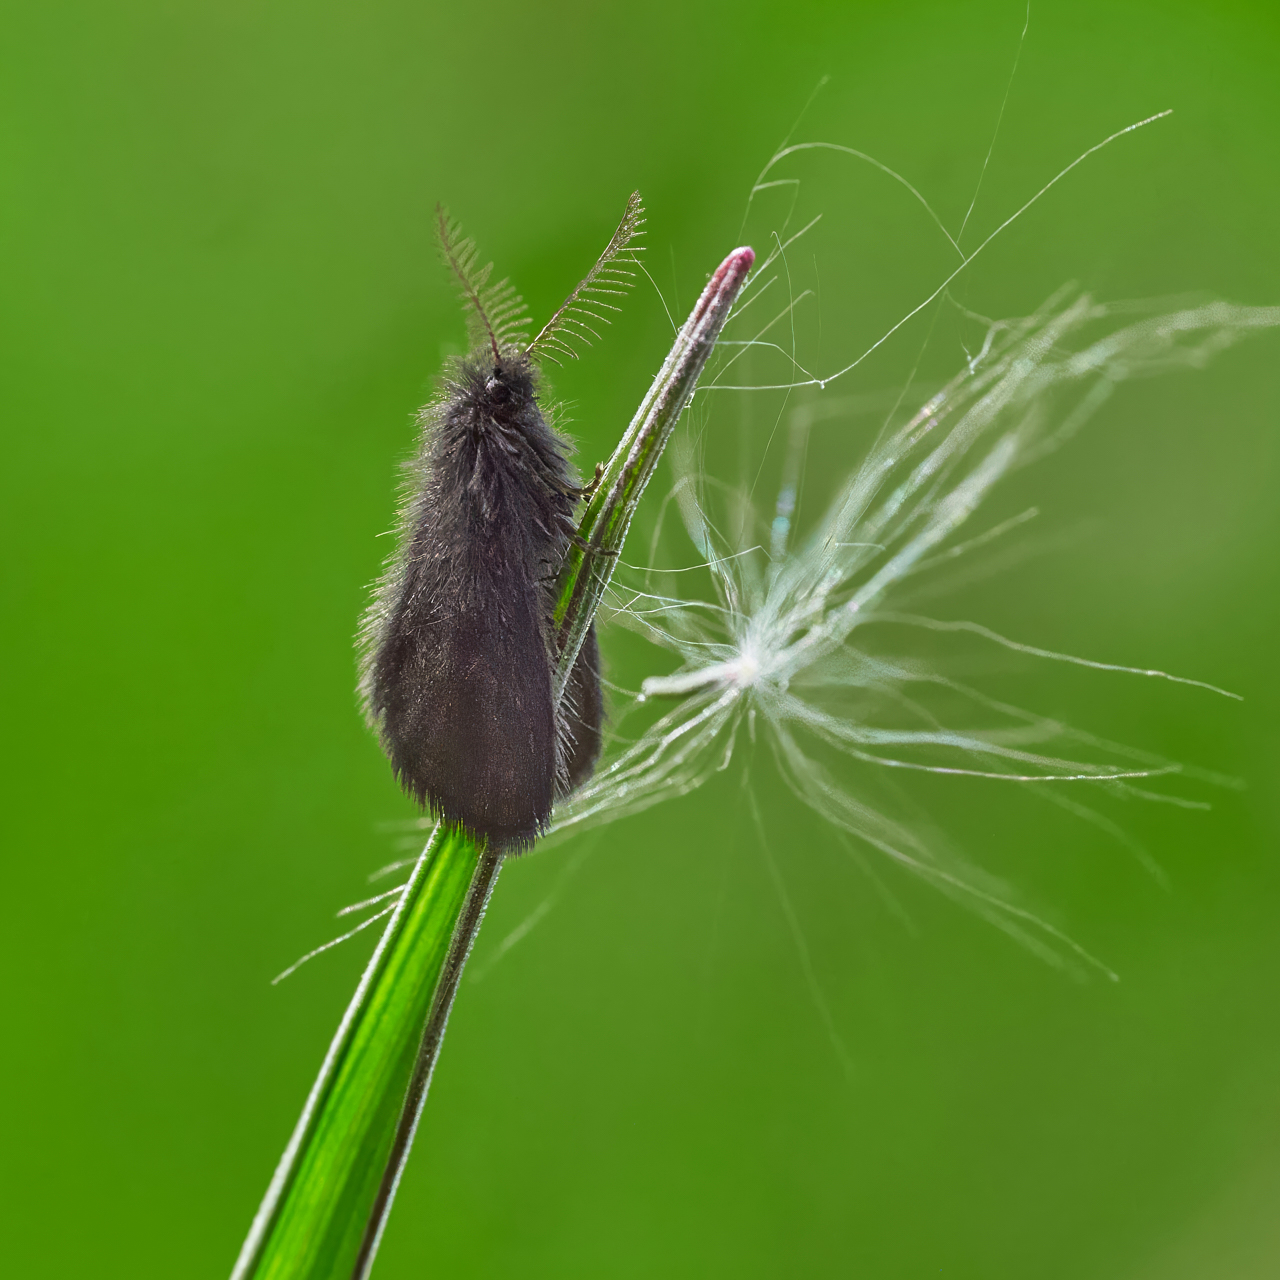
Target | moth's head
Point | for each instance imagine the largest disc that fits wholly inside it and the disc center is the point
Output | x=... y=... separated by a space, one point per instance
x=509 y=378
x=501 y=386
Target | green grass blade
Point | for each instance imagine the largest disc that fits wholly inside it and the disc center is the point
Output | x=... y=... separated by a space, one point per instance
x=323 y=1215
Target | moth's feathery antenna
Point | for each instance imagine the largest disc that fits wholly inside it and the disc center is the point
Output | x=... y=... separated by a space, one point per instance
x=499 y=309
x=588 y=302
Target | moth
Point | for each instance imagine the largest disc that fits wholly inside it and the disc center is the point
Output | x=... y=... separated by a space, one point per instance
x=458 y=649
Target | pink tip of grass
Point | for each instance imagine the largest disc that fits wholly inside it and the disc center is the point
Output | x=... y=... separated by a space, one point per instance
x=729 y=276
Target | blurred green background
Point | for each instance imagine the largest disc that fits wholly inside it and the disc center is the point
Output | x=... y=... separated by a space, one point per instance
x=222 y=306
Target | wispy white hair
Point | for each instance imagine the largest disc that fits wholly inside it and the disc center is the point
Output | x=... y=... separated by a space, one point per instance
x=797 y=640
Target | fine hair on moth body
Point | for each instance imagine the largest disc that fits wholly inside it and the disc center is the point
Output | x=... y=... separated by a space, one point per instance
x=458 y=648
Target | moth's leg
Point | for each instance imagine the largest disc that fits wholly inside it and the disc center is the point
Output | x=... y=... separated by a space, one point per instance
x=569 y=529
x=589 y=490
x=584 y=546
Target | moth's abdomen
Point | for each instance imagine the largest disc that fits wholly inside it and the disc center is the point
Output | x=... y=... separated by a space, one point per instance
x=467 y=718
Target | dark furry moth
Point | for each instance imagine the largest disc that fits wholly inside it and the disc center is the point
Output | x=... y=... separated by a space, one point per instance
x=457 y=649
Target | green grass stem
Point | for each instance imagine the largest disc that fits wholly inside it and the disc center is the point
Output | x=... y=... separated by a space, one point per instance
x=327 y=1205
